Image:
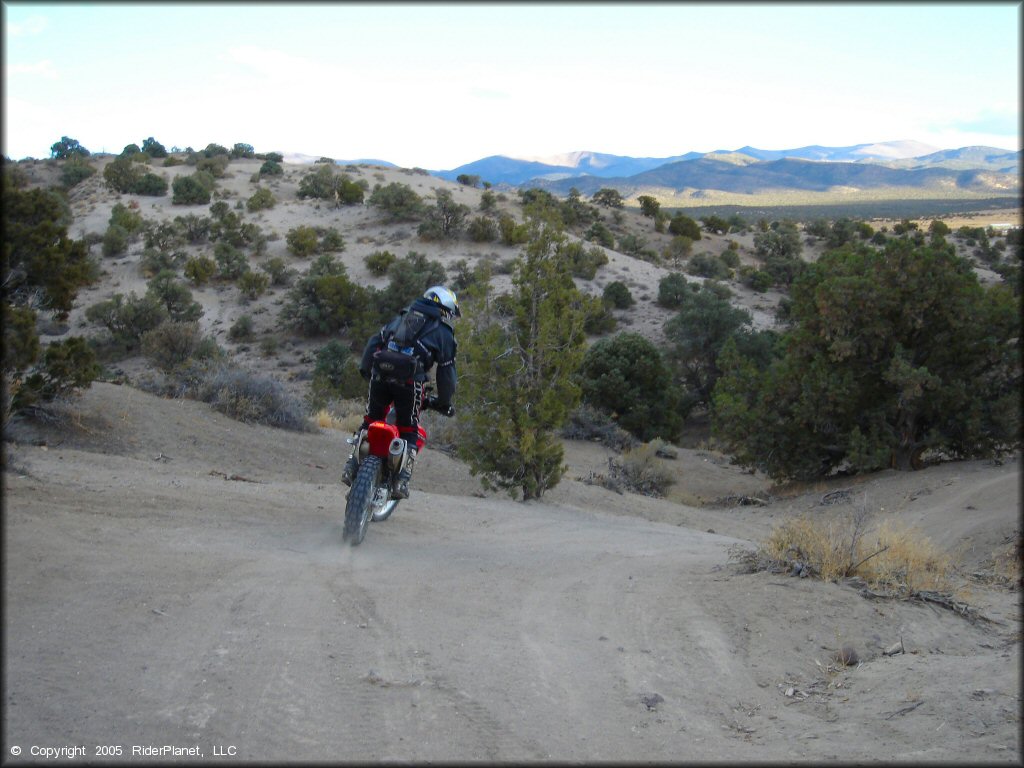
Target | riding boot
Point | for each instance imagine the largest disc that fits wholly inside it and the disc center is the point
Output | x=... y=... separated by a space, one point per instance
x=402 y=486
x=348 y=474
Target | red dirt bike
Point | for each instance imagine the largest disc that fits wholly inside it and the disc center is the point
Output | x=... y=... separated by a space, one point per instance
x=382 y=455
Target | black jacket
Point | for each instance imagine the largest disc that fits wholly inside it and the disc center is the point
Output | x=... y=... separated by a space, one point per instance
x=436 y=345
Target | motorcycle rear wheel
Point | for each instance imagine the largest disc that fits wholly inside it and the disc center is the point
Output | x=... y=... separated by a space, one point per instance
x=359 y=508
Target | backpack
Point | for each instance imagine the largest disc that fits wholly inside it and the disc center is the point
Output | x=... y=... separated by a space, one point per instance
x=398 y=360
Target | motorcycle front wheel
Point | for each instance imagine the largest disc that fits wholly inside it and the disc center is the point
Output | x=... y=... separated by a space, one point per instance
x=360 y=506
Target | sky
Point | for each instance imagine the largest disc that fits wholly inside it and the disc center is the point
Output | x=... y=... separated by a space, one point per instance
x=439 y=85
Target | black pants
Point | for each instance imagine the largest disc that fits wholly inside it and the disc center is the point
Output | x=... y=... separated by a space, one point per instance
x=407 y=398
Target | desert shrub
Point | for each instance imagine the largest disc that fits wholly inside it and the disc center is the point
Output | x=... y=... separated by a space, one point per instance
x=75 y=172
x=326 y=301
x=164 y=236
x=632 y=244
x=242 y=150
x=627 y=375
x=66 y=366
x=594 y=425
x=331 y=240
x=681 y=224
x=335 y=375
x=154 y=260
x=673 y=290
x=216 y=165
x=756 y=279
x=154 y=148
x=891 y=557
x=195 y=228
x=302 y=241
x=324 y=184
x=600 y=234
x=730 y=257
x=261 y=199
x=130 y=219
x=172 y=343
x=190 y=190
x=253 y=284
x=241 y=329
x=232 y=262
x=410 y=277
x=708 y=265
x=115 y=240
x=271 y=168
x=584 y=261
x=679 y=248
x=200 y=269
x=121 y=175
x=511 y=232
x=482 y=230
x=379 y=262
x=399 y=201
x=151 y=185
x=175 y=297
x=638 y=471
x=253 y=399
x=277 y=270
x=445 y=220
x=617 y=295
x=466 y=279
x=598 y=318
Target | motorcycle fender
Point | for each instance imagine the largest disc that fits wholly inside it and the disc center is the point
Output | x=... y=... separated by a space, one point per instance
x=379 y=437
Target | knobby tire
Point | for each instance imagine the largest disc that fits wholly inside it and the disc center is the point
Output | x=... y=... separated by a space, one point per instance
x=359 y=508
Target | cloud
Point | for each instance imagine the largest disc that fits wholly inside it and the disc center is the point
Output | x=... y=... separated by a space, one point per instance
x=44 y=68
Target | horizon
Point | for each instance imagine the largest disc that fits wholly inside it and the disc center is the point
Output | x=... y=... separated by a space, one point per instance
x=431 y=85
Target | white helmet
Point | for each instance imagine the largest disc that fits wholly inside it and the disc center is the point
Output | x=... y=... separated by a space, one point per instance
x=446 y=298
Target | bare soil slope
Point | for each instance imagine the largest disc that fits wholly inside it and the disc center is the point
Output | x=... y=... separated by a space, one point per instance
x=174 y=577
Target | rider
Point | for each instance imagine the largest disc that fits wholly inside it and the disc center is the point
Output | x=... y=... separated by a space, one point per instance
x=432 y=343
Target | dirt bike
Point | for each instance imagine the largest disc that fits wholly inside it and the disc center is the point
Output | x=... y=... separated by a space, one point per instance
x=381 y=454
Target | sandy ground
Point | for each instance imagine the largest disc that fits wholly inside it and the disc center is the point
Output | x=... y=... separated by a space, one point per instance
x=174 y=577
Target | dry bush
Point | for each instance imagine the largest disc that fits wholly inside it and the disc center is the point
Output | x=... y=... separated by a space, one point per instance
x=588 y=423
x=639 y=471
x=899 y=560
x=324 y=419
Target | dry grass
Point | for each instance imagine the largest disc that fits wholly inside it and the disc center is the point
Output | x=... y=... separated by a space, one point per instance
x=891 y=557
x=324 y=419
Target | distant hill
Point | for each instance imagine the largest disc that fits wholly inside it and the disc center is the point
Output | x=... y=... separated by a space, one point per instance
x=749 y=170
x=751 y=178
x=500 y=169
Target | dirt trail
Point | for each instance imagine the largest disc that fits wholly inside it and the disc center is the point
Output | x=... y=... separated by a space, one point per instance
x=149 y=600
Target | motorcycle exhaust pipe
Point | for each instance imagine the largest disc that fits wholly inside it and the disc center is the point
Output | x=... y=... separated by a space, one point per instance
x=396 y=454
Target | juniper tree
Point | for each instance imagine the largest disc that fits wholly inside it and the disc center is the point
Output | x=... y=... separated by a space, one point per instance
x=892 y=353
x=517 y=365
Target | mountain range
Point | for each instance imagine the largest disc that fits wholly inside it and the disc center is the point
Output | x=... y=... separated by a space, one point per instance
x=751 y=171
